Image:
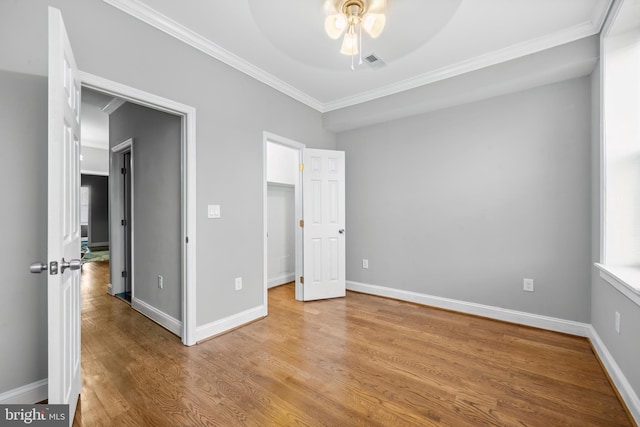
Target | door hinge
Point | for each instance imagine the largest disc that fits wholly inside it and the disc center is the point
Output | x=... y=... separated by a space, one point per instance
x=302 y=223
x=123 y=171
x=302 y=279
x=123 y=222
x=186 y=239
x=124 y=274
x=301 y=167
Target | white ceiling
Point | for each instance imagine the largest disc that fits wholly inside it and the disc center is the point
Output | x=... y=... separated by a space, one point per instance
x=283 y=43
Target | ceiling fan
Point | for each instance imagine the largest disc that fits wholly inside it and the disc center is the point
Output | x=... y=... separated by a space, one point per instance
x=350 y=17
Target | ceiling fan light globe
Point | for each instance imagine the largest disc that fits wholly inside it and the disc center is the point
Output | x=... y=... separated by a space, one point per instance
x=349 y=44
x=335 y=25
x=373 y=24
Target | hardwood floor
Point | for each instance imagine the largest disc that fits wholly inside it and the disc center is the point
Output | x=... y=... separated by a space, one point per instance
x=356 y=361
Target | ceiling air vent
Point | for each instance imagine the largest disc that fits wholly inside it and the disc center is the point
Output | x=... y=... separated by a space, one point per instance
x=374 y=61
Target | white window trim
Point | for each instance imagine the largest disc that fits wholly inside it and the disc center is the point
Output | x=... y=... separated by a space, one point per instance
x=625 y=279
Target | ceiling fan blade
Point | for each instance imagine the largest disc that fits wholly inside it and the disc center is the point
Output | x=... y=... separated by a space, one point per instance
x=373 y=24
x=331 y=7
x=377 y=6
x=334 y=25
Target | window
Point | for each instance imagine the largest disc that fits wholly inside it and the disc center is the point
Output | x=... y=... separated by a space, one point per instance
x=620 y=167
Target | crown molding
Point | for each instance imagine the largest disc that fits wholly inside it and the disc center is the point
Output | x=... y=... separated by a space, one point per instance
x=165 y=24
x=519 y=50
x=113 y=105
x=93 y=143
x=600 y=14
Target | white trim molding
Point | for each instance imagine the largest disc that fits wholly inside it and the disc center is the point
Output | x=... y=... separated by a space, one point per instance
x=167 y=25
x=623 y=386
x=113 y=105
x=615 y=373
x=170 y=323
x=281 y=280
x=188 y=185
x=625 y=279
x=218 y=327
x=99 y=173
x=497 y=313
x=27 y=394
x=92 y=143
x=516 y=51
x=267 y=138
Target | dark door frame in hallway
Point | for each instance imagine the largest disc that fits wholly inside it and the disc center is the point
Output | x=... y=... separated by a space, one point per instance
x=121 y=199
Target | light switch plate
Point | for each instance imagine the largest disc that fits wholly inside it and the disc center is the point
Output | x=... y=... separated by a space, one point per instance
x=213 y=211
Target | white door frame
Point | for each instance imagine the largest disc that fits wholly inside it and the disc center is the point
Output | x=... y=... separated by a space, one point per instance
x=188 y=185
x=276 y=139
x=115 y=196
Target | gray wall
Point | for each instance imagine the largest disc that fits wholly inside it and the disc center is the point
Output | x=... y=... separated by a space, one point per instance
x=157 y=195
x=605 y=299
x=94 y=160
x=23 y=184
x=233 y=111
x=505 y=179
x=98 y=207
x=465 y=202
x=281 y=245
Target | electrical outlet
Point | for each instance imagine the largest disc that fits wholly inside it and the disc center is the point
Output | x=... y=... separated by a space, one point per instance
x=160 y=282
x=617 y=322
x=527 y=285
x=365 y=263
x=238 y=283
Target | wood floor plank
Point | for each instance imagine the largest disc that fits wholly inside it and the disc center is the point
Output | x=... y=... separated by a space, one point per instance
x=355 y=361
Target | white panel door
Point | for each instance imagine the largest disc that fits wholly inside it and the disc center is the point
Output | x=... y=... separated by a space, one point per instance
x=324 y=224
x=64 y=219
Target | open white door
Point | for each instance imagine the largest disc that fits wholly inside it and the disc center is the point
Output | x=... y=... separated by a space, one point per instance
x=324 y=222
x=64 y=219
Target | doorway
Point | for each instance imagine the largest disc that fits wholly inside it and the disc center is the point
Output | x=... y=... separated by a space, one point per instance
x=122 y=259
x=127 y=221
x=184 y=324
x=282 y=185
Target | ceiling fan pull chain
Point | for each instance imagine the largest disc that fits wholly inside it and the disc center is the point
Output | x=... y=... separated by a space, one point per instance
x=353 y=54
x=360 y=41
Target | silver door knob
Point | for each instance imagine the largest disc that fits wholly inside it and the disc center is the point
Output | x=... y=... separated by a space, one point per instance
x=341 y=231
x=38 y=267
x=73 y=264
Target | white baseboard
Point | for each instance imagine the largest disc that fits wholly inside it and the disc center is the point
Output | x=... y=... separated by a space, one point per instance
x=172 y=324
x=27 y=394
x=622 y=384
x=513 y=316
x=98 y=244
x=110 y=289
x=543 y=322
x=228 y=323
x=281 y=280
